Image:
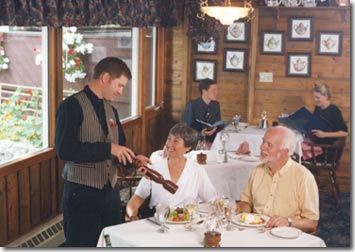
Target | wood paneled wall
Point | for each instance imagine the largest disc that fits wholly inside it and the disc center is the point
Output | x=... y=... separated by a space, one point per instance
x=243 y=93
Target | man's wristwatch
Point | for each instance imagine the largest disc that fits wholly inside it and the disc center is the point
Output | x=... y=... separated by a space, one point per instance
x=289 y=220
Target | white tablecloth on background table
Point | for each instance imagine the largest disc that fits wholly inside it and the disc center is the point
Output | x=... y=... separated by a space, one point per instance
x=143 y=233
x=253 y=135
x=229 y=178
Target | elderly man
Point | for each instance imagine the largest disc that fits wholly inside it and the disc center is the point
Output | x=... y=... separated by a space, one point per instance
x=280 y=187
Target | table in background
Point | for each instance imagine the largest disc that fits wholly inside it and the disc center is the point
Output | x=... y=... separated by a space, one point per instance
x=253 y=135
x=229 y=178
x=143 y=233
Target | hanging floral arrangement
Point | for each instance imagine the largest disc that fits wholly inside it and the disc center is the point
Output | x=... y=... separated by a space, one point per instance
x=4 y=61
x=73 y=47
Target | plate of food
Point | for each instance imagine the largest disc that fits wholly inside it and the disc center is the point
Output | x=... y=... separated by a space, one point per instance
x=286 y=232
x=250 y=219
x=178 y=216
x=205 y=208
x=250 y=158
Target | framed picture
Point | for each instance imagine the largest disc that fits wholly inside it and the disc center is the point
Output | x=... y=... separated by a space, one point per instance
x=237 y=32
x=207 y=47
x=124 y=39
x=272 y=42
x=329 y=43
x=298 y=64
x=300 y=28
x=205 y=69
x=234 y=59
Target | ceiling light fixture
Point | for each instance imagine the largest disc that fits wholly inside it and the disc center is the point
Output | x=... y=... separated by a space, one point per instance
x=226 y=14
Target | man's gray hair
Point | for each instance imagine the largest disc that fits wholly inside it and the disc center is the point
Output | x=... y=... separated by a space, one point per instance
x=289 y=139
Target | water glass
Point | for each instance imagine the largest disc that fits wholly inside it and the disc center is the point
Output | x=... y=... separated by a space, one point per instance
x=162 y=213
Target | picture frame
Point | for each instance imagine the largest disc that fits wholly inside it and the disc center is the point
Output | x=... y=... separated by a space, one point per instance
x=300 y=28
x=207 y=47
x=298 y=65
x=329 y=43
x=272 y=42
x=124 y=39
x=204 y=69
x=237 y=32
x=234 y=59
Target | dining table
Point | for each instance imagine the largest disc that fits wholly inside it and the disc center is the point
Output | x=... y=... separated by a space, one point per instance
x=143 y=233
x=229 y=178
x=251 y=134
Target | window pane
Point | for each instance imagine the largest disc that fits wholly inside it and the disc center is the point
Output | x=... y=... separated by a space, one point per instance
x=84 y=47
x=23 y=80
x=150 y=69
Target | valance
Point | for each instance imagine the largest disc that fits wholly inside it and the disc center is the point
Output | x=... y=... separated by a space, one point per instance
x=58 y=13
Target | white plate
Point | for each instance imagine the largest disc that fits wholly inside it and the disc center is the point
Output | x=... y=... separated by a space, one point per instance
x=205 y=208
x=286 y=232
x=237 y=221
x=233 y=155
x=250 y=158
x=177 y=222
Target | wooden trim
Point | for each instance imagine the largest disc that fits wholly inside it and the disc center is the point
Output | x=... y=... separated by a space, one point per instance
x=26 y=161
x=132 y=122
x=252 y=59
x=160 y=67
x=141 y=84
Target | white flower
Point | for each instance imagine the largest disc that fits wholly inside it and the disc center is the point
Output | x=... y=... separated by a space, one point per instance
x=2 y=52
x=89 y=47
x=72 y=29
x=6 y=60
x=5 y=66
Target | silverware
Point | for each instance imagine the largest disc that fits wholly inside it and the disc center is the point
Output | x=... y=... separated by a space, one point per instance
x=155 y=221
x=263 y=229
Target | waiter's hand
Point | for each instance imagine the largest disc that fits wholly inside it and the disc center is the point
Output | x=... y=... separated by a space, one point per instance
x=123 y=153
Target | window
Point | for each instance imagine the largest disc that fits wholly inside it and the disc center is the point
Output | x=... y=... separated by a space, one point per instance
x=23 y=81
x=84 y=47
x=151 y=66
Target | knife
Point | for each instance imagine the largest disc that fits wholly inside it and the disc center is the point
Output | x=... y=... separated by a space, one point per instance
x=155 y=221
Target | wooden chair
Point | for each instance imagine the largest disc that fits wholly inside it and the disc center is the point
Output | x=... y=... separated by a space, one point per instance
x=329 y=160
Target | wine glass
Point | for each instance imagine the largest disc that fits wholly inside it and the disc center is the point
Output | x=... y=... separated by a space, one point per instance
x=190 y=204
x=162 y=213
x=229 y=209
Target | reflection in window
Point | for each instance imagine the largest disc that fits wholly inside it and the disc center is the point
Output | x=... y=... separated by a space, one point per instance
x=23 y=81
x=84 y=47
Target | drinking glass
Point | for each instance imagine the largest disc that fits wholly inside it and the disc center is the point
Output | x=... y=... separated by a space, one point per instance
x=162 y=213
x=229 y=210
x=190 y=204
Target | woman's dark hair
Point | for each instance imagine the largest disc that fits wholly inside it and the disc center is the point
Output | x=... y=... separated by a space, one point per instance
x=188 y=134
x=112 y=65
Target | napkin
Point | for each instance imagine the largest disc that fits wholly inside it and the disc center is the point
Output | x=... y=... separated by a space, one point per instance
x=243 y=148
x=307 y=151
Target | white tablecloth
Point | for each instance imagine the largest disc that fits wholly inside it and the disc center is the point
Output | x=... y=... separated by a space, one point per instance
x=253 y=135
x=229 y=178
x=143 y=233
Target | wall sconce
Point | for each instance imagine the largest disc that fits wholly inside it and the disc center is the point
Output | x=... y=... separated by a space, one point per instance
x=226 y=14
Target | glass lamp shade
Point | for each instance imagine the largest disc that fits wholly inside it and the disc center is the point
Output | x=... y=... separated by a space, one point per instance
x=226 y=15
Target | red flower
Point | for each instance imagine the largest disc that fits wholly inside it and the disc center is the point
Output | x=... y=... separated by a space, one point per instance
x=30 y=92
x=77 y=62
x=18 y=102
x=70 y=51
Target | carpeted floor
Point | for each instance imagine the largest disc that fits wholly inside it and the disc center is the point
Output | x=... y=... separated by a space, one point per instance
x=334 y=223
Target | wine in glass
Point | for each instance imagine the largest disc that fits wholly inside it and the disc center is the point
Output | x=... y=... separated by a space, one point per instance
x=162 y=213
x=190 y=205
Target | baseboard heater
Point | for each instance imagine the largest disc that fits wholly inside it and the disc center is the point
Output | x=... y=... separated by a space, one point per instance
x=49 y=234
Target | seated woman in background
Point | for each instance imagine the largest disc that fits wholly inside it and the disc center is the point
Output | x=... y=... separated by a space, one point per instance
x=330 y=113
x=190 y=176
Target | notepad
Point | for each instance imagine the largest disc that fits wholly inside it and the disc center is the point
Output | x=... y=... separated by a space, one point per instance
x=216 y=124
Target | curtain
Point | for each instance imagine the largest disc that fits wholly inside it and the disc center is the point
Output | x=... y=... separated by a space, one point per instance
x=57 y=13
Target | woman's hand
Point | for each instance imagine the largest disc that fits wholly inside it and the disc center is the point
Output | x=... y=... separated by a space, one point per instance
x=209 y=132
x=319 y=133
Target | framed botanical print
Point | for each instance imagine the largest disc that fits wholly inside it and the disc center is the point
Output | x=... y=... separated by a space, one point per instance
x=329 y=43
x=237 y=32
x=204 y=69
x=272 y=42
x=298 y=64
x=207 y=47
x=300 y=28
x=234 y=60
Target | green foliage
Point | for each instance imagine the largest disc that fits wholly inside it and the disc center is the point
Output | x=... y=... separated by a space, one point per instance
x=21 y=118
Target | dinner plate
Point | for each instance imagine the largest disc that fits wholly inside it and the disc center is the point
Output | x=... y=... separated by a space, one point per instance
x=205 y=208
x=236 y=220
x=286 y=232
x=250 y=158
x=177 y=222
x=233 y=155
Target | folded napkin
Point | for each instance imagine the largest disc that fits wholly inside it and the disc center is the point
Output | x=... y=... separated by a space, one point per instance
x=243 y=148
x=307 y=151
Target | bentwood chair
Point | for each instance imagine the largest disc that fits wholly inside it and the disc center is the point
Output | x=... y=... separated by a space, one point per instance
x=328 y=160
